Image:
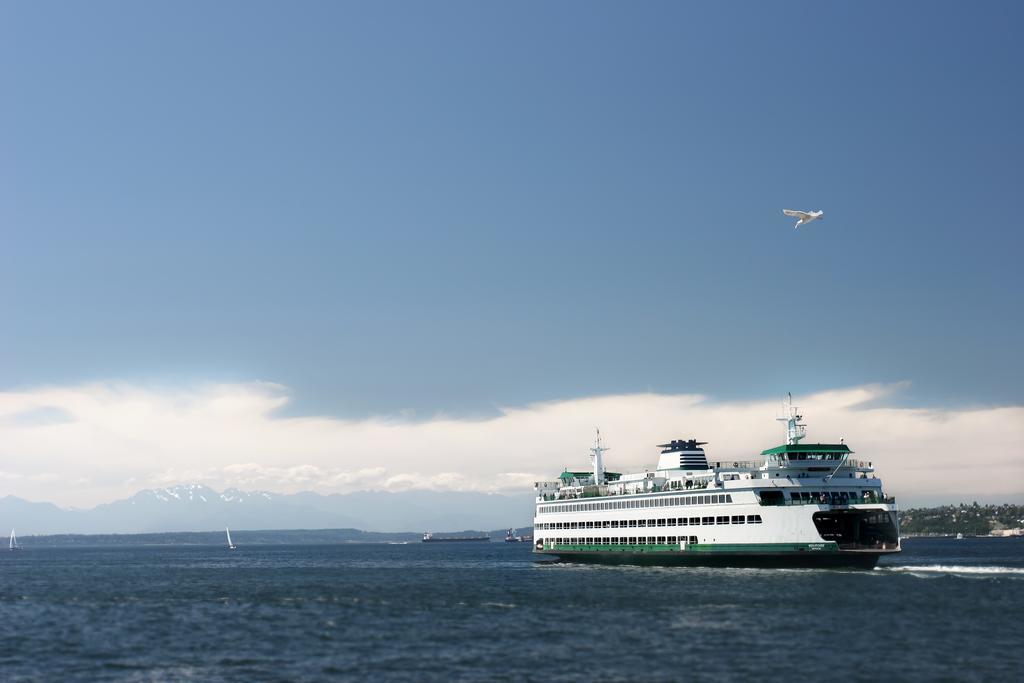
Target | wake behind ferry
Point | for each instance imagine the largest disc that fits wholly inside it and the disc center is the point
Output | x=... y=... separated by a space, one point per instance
x=802 y=505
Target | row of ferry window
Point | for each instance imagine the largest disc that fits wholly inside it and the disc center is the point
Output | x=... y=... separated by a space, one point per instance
x=670 y=521
x=626 y=540
x=638 y=503
x=826 y=496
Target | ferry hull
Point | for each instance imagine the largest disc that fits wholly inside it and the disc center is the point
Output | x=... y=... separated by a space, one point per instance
x=810 y=560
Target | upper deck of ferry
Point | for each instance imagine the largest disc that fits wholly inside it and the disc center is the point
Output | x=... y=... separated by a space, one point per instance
x=819 y=469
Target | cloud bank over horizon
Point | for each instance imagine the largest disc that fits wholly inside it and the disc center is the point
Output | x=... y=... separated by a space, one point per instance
x=88 y=444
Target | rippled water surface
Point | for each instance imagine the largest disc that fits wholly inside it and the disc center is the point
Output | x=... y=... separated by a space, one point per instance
x=943 y=610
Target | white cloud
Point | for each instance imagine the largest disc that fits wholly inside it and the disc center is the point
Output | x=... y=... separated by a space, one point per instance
x=115 y=438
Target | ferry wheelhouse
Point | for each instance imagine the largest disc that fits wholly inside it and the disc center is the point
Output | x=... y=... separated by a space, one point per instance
x=801 y=504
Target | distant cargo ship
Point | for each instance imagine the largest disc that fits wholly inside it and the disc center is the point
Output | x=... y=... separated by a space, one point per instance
x=431 y=538
x=803 y=505
x=511 y=537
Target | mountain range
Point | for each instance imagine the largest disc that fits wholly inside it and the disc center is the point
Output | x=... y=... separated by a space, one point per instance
x=194 y=507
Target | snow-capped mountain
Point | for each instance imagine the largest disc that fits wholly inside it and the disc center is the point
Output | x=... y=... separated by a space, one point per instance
x=197 y=493
x=195 y=507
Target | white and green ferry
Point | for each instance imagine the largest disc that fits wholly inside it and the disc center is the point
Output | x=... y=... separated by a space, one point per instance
x=800 y=505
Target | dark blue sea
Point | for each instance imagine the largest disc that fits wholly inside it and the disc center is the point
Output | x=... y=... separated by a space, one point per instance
x=945 y=610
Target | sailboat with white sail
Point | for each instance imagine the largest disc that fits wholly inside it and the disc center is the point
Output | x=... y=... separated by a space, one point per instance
x=231 y=546
x=14 y=541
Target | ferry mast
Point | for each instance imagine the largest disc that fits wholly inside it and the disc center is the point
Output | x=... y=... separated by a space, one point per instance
x=596 y=455
x=795 y=430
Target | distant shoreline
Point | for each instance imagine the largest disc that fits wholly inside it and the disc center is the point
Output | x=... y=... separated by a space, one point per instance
x=913 y=535
x=248 y=537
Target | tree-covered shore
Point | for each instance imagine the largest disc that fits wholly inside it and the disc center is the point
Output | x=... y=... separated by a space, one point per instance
x=969 y=519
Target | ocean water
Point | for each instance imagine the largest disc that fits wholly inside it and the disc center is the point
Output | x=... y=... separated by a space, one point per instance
x=945 y=610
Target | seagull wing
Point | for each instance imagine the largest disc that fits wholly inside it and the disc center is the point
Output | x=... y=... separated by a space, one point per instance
x=795 y=214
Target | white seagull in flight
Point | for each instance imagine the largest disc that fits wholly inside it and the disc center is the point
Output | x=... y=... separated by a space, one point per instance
x=804 y=216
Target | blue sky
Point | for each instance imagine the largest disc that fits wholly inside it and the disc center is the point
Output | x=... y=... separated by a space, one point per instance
x=448 y=207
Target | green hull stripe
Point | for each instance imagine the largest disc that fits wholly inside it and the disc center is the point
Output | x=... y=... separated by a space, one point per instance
x=829 y=546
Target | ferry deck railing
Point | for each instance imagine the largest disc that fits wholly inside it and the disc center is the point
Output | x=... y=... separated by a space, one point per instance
x=750 y=465
x=583 y=495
